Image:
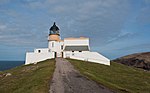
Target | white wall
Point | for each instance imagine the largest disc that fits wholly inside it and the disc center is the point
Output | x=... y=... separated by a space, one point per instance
x=42 y=50
x=33 y=57
x=55 y=46
x=67 y=54
x=76 y=42
x=88 y=56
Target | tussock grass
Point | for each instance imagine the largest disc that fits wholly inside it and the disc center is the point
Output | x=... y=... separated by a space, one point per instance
x=118 y=77
x=33 y=78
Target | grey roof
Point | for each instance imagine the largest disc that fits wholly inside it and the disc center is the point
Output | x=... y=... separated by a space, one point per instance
x=76 y=48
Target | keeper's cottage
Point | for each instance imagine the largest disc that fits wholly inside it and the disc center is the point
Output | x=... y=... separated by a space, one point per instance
x=74 y=48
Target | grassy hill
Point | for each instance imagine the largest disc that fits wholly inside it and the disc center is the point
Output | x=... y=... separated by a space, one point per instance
x=36 y=78
x=118 y=77
x=33 y=78
x=139 y=60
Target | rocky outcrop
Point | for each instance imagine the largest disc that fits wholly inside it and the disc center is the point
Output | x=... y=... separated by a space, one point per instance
x=139 y=60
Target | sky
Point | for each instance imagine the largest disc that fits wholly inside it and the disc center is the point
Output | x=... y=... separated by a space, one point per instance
x=115 y=27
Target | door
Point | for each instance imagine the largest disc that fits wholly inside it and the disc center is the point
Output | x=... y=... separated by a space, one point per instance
x=62 y=54
x=55 y=54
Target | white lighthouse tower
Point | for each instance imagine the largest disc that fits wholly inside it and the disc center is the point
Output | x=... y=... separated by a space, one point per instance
x=55 y=44
x=74 y=48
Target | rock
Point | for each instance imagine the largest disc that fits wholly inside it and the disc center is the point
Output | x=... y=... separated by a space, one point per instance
x=8 y=74
x=138 y=60
x=35 y=62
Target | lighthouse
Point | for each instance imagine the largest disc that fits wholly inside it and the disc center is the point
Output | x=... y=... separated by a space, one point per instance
x=73 y=48
x=54 y=34
x=55 y=44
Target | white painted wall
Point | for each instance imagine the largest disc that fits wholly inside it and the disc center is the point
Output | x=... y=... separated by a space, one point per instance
x=87 y=56
x=42 y=50
x=55 y=46
x=76 y=42
x=67 y=54
x=33 y=57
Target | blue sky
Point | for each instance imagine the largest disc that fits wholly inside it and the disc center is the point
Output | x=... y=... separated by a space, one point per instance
x=115 y=27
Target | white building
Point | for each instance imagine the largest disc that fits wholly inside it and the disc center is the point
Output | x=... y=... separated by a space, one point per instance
x=74 y=48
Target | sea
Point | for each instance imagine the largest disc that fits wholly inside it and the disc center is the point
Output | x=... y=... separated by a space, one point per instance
x=5 y=65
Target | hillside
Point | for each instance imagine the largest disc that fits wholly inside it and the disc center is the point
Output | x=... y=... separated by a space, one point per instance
x=36 y=78
x=139 y=60
x=118 y=77
x=33 y=78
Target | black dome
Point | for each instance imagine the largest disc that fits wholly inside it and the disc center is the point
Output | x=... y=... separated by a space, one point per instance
x=54 y=27
x=54 y=30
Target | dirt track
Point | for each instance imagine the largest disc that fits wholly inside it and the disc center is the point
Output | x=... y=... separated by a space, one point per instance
x=68 y=80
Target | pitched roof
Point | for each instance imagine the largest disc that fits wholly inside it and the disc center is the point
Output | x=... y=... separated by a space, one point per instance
x=76 y=48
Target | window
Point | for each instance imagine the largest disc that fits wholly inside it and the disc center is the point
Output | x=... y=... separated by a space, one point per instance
x=61 y=47
x=72 y=53
x=80 y=51
x=39 y=51
x=52 y=44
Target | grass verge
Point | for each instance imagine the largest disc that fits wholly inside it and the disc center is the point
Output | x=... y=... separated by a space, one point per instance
x=33 y=78
x=118 y=77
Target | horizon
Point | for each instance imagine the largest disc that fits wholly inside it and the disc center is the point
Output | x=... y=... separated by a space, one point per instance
x=115 y=27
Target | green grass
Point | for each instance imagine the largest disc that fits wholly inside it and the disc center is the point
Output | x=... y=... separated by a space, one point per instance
x=117 y=77
x=33 y=78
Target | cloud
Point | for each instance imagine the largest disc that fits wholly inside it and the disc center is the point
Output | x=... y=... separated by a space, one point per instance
x=2 y=27
x=144 y=16
x=4 y=2
x=136 y=47
x=25 y=23
x=39 y=4
x=100 y=20
x=146 y=1
x=121 y=36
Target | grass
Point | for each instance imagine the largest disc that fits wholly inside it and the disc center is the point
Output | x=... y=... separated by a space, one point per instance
x=118 y=77
x=33 y=78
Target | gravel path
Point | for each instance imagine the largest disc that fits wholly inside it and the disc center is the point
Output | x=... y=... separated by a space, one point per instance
x=68 y=80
